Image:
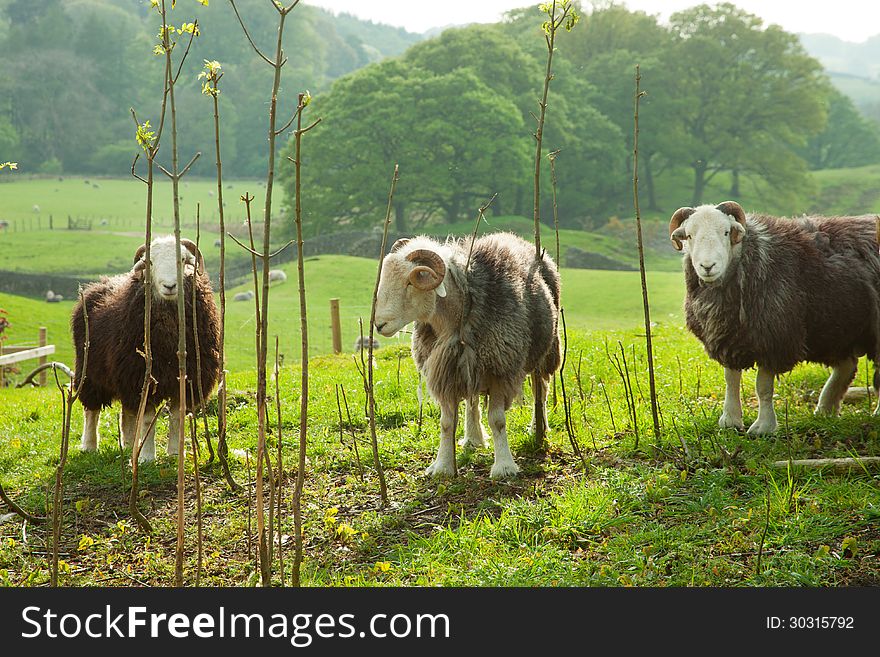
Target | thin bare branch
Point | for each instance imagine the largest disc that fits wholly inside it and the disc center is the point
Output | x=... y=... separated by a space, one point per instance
x=248 y=35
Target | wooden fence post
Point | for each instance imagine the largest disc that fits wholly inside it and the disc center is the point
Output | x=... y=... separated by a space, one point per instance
x=335 y=326
x=42 y=358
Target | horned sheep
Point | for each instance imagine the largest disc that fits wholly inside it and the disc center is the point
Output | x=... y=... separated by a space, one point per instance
x=774 y=292
x=116 y=364
x=484 y=319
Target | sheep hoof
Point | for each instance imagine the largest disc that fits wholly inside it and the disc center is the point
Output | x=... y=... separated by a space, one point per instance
x=824 y=411
x=502 y=470
x=760 y=428
x=727 y=421
x=473 y=442
x=440 y=469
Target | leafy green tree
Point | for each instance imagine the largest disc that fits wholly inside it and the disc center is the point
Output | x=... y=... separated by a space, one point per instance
x=848 y=140
x=456 y=141
x=752 y=97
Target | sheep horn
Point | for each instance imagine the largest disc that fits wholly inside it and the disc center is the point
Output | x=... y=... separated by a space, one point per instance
x=399 y=244
x=677 y=220
x=430 y=259
x=734 y=209
x=191 y=246
x=140 y=253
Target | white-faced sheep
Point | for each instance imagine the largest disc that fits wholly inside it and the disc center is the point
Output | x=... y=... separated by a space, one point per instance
x=116 y=364
x=480 y=328
x=243 y=296
x=774 y=292
x=277 y=276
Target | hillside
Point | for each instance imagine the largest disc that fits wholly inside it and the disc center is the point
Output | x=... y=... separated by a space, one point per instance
x=105 y=45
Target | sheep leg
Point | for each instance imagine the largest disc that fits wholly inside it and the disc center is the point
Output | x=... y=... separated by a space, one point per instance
x=173 y=428
x=444 y=464
x=541 y=388
x=474 y=433
x=842 y=374
x=504 y=465
x=90 y=429
x=766 y=422
x=148 y=441
x=732 y=415
x=129 y=427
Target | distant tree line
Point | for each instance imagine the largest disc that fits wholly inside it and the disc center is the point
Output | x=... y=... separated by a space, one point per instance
x=726 y=95
x=72 y=70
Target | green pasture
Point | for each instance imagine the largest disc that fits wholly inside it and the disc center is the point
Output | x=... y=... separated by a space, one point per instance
x=593 y=300
x=699 y=507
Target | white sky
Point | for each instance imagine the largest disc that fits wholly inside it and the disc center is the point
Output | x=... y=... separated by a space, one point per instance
x=851 y=20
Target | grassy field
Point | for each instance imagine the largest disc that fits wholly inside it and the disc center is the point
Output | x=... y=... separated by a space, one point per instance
x=691 y=511
x=29 y=201
x=593 y=300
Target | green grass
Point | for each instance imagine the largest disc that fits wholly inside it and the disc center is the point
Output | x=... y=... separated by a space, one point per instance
x=592 y=299
x=120 y=202
x=635 y=516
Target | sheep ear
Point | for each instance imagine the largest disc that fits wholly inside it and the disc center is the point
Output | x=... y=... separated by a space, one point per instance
x=678 y=218
x=441 y=290
x=399 y=244
x=197 y=254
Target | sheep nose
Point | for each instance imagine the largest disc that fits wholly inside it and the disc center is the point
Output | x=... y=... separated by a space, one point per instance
x=169 y=288
x=708 y=268
x=380 y=326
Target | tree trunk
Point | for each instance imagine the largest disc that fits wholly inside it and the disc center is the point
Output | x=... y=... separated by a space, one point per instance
x=649 y=185
x=734 y=186
x=699 y=183
x=400 y=217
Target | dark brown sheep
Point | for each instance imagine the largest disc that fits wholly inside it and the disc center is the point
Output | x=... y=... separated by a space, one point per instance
x=116 y=363
x=775 y=292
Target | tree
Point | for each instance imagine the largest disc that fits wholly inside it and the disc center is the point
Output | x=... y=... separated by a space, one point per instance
x=848 y=140
x=456 y=141
x=751 y=96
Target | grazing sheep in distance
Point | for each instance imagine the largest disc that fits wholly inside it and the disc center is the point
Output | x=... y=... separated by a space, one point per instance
x=363 y=342
x=243 y=296
x=277 y=275
x=116 y=364
x=480 y=328
x=4 y=224
x=51 y=297
x=218 y=243
x=774 y=292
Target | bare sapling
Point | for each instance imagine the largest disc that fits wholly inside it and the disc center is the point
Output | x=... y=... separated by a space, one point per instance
x=280 y=463
x=302 y=102
x=211 y=87
x=368 y=380
x=175 y=175
x=277 y=63
x=68 y=397
x=647 y=307
x=560 y=14
x=566 y=406
x=197 y=344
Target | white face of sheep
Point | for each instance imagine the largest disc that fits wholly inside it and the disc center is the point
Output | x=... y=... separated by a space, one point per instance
x=409 y=286
x=709 y=234
x=164 y=257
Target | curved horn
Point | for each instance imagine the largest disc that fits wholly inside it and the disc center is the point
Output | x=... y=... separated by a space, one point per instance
x=677 y=220
x=734 y=209
x=430 y=259
x=139 y=253
x=399 y=244
x=191 y=246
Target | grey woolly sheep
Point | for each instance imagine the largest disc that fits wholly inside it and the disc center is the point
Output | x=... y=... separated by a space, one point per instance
x=116 y=365
x=774 y=292
x=480 y=328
